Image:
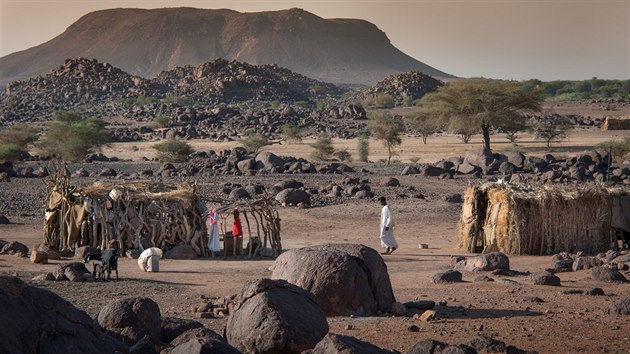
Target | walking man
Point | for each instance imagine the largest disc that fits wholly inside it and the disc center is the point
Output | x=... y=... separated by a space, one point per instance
x=387 y=228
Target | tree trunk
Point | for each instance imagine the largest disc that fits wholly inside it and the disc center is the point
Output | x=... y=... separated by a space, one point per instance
x=485 y=128
x=389 y=153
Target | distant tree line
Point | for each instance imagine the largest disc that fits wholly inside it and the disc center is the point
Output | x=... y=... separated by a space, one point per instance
x=594 y=88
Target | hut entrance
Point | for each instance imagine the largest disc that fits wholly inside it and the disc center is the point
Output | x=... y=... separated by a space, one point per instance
x=140 y=215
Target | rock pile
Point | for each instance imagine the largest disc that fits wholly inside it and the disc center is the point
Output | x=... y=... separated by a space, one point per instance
x=410 y=84
x=514 y=166
x=568 y=262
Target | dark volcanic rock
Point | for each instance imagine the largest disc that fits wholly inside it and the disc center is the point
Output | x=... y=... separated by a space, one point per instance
x=607 y=274
x=292 y=196
x=34 y=320
x=545 y=278
x=345 y=279
x=483 y=262
x=131 y=319
x=450 y=276
x=200 y=341
x=172 y=327
x=275 y=317
x=340 y=344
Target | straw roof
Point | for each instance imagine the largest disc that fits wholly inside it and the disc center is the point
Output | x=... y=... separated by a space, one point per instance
x=142 y=191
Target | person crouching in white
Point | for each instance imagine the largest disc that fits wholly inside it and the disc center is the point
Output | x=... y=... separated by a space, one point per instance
x=387 y=228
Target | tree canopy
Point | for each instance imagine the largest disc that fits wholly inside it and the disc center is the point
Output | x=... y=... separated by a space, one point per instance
x=483 y=104
x=71 y=136
x=387 y=128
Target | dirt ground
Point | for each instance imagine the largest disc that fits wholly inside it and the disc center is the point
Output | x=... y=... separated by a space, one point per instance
x=560 y=324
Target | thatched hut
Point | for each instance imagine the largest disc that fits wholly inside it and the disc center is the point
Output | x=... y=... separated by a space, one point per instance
x=616 y=123
x=147 y=214
x=543 y=220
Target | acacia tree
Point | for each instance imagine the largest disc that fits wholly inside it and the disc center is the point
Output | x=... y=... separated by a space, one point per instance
x=71 y=136
x=423 y=123
x=482 y=103
x=551 y=127
x=387 y=128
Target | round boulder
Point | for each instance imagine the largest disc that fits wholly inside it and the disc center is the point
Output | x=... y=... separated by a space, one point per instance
x=131 y=319
x=274 y=316
x=607 y=274
x=340 y=344
x=345 y=279
x=200 y=341
x=181 y=252
x=545 y=278
x=292 y=196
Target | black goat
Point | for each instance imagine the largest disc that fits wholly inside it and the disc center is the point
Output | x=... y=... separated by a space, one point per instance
x=108 y=262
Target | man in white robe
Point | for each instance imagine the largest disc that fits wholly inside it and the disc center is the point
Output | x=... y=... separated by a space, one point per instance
x=387 y=228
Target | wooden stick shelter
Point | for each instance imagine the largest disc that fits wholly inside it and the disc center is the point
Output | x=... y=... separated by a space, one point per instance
x=145 y=214
x=543 y=220
x=616 y=123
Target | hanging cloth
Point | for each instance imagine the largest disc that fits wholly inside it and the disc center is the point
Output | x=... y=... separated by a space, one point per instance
x=237 y=228
x=213 y=231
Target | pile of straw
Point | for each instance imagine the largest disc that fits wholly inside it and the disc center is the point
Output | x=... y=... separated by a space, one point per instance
x=546 y=220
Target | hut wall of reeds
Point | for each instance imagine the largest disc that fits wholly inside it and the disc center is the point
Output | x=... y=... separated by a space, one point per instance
x=616 y=123
x=545 y=220
x=141 y=215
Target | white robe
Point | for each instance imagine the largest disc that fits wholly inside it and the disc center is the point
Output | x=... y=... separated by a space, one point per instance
x=387 y=236
x=213 y=232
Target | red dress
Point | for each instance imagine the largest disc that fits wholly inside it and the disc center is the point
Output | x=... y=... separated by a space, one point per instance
x=237 y=228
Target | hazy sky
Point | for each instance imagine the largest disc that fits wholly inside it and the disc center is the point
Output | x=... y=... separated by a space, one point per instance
x=509 y=39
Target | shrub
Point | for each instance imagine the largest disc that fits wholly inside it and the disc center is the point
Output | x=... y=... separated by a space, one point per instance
x=301 y=104
x=291 y=132
x=172 y=150
x=551 y=127
x=407 y=101
x=142 y=100
x=619 y=148
x=364 y=148
x=275 y=105
x=20 y=135
x=162 y=121
x=254 y=142
x=178 y=100
x=71 y=136
x=387 y=128
x=323 y=148
x=343 y=155
x=384 y=101
x=321 y=105
x=12 y=152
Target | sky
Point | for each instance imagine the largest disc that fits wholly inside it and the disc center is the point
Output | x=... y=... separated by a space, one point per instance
x=503 y=39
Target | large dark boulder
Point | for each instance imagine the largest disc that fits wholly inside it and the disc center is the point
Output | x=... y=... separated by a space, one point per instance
x=345 y=279
x=431 y=346
x=200 y=341
x=292 y=196
x=172 y=327
x=34 y=320
x=621 y=308
x=267 y=160
x=274 y=316
x=15 y=248
x=131 y=319
x=545 y=278
x=450 y=276
x=340 y=344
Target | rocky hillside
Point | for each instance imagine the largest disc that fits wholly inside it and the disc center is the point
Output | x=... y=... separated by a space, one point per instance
x=147 y=42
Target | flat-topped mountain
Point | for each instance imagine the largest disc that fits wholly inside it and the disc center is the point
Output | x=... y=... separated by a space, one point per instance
x=146 y=42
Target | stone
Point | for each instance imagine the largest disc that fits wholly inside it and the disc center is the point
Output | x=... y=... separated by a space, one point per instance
x=144 y=346
x=46 y=276
x=292 y=196
x=34 y=320
x=507 y=168
x=607 y=274
x=4 y=220
x=483 y=262
x=410 y=170
x=454 y=198
x=107 y=172
x=621 y=308
x=390 y=182
x=39 y=256
x=480 y=157
x=428 y=315
x=585 y=262
x=594 y=292
x=345 y=279
x=181 y=252
x=267 y=160
x=420 y=305
x=483 y=279
x=398 y=309
x=15 y=248
x=246 y=165
x=432 y=171
x=341 y=344
x=450 y=276
x=239 y=193
x=466 y=168
x=131 y=319
x=172 y=327
x=413 y=328
x=52 y=254
x=545 y=278
x=200 y=341
x=291 y=183
x=562 y=262
x=83 y=251
x=274 y=316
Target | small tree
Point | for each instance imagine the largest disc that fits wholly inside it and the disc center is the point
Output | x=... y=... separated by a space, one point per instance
x=291 y=133
x=162 y=121
x=71 y=136
x=364 y=148
x=253 y=142
x=512 y=128
x=323 y=148
x=387 y=128
x=551 y=127
x=424 y=123
x=172 y=150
